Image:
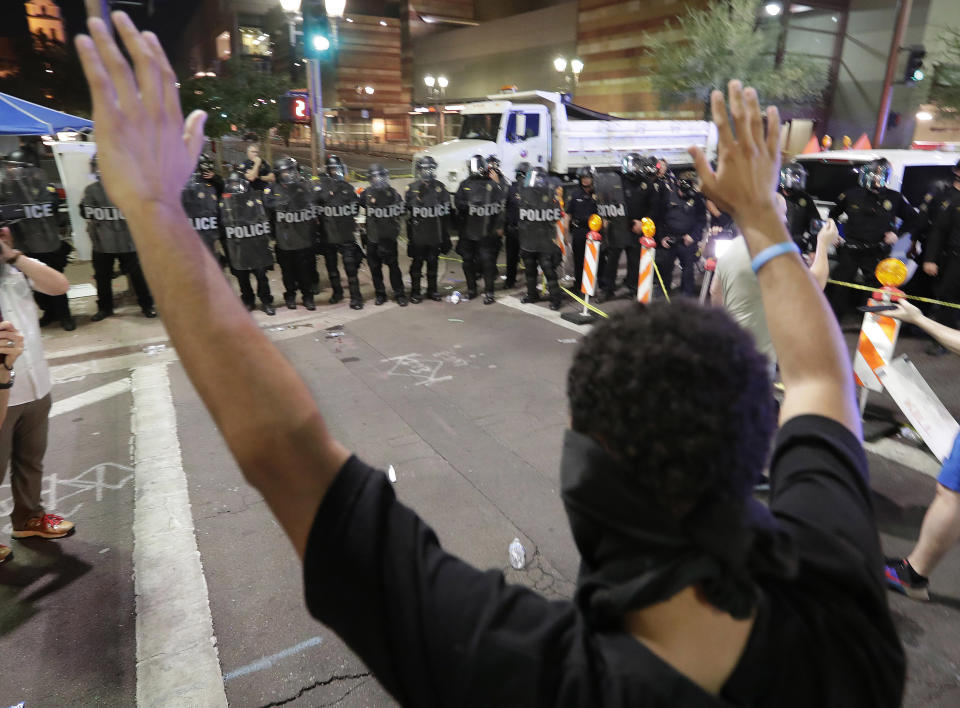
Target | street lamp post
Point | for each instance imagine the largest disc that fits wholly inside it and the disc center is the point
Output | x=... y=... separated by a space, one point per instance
x=437 y=90
x=570 y=71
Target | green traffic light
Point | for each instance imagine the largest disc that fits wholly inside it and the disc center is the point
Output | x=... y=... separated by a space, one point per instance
x=320 y=43
x=918 y=75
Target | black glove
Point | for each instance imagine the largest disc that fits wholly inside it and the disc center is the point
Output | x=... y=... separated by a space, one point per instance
x=409 y=249
x=446 y=245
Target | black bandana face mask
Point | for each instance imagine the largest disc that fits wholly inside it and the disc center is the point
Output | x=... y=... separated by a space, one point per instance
x=634 y=553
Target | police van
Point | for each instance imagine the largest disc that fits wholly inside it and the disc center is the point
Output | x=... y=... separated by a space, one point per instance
x=912 y=172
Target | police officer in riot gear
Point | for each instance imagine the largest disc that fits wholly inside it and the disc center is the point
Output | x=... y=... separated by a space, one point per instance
x=539 y=212
x=291 y=200
x=618 y=228
x=512 y=222
x=339 y=207
x=385 y=211
x=872 y=212
x=479 y=205
x=201 y=202
x=941 y=258
x=208 y=173
x=246 y=230
x=111 y=240
x=683 y=217
x=37 y=235
x=581 y=205
x=493 y=165
x=801 y=209
x=428 y=226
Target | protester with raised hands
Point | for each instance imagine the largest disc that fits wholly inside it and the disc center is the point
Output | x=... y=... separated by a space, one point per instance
x=686 y=582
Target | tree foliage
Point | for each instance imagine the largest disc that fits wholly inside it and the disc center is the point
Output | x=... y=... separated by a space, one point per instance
x=945 y=87
x=48 y=73
x=241 y=96
x=725 y=41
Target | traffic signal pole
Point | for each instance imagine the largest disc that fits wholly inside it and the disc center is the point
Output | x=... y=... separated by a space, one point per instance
x=883 y=114
x=315 y=88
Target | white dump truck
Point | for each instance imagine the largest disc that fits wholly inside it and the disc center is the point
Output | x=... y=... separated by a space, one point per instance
x=540 y=128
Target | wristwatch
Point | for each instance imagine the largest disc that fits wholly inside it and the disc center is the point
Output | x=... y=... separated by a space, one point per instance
x=9 y=384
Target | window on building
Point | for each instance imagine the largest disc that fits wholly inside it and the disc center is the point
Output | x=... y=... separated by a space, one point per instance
x=254 y=42
x=223 y=46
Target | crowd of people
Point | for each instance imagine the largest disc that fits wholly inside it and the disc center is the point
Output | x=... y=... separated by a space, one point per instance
x=686 y=580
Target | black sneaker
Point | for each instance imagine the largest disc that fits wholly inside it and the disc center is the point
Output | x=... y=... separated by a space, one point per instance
x=435 y=297
x=149 y=312
x=290 y=301
x=402 y=300
x=68 y=323
x=604 y=297
x=48 y=319
x=530 y=298
x=268 y=308
x=472 y=295
x=488 y=299
x=356 y=304
x=555 y=304
x=101 y=315
x=309 y=303
x=899 y=576
x=336 y=297
x=380 y=299
x=415 y=298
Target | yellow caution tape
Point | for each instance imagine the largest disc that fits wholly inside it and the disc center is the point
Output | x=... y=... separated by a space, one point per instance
x=928 y=300
x=585 y=303
x=662 y=286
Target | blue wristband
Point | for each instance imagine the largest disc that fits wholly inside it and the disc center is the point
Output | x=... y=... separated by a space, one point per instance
x=768 y=254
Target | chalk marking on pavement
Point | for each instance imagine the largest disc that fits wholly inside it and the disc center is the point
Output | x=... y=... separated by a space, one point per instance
x=549 y=315
x=268 y=661
x=177 y=660
x=905 y=455
x=424 y=370
x=93 y=395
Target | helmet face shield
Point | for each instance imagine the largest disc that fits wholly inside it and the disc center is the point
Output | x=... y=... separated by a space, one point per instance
x=477 y=166
x=379 y=177
x=632 y=165
x=426 y=168
x=793 y=176
x=874 y=175
x=236 y=184
x=535 y=178
x=521 y=171
x=493 y=162
x=336 y=169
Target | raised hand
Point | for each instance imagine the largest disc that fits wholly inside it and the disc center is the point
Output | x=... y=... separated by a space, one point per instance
x=136 y=111
x=748 y=166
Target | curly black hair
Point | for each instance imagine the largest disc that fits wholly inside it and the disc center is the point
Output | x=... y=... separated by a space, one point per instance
x=678 y=393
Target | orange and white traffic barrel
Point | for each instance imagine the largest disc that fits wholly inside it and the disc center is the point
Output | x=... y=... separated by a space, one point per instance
x=591 y=258
x=647 y=253
x=878 y=334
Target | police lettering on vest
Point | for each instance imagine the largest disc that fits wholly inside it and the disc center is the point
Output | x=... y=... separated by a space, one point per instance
x=204 y=223
x=38 y=211
x=609 y=211
x=248 y=230
x=102 y=214
x=431 y=212
x=341 y=210
x=392 y=211
x=540 y=215
x=486 y=209
x=296 y=217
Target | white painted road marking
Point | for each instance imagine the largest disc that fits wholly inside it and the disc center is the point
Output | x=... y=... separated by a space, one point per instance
x=542 y=313
x=268 y=661
x=94 y=395
x=177 y=661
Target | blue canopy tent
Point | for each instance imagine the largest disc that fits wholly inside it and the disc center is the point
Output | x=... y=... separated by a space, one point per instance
x=19 y=117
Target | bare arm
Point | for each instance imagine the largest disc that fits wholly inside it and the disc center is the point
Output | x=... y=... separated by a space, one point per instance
x=820 y=268
x=813 y=358
x=45 y=279
x=290 y=459
x=947 y=336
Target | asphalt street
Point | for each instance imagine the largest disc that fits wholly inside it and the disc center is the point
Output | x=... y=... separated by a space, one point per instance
x=466 y=403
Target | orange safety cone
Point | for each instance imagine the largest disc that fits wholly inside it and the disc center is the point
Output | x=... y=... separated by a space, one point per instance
x=813 y=146
x=863 y=143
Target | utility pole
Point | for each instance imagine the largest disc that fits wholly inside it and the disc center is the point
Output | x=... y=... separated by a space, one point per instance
x=903 y=16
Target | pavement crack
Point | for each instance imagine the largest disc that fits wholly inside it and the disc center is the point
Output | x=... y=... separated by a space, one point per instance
x=317 y=684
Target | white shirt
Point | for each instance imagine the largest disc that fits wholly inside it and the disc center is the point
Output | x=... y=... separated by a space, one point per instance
x=741 y=295
x=32 y=381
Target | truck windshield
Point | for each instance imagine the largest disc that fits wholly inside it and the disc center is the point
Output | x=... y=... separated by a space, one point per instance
x=828 y=180
x=480 y=126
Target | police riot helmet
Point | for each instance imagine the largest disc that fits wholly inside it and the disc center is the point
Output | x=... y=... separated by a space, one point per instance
x=687 y=183
x=425 y=168
x=535 y=177
x=793 y=175
x=379 y=176
x=662 y=166
x=521 y=170
x=585 y=172
x=236 y=184
x=493 y=162
x=477 y=166
x=288 y=170
x=205 y=163
x=631 y=165
x=18 y=158
x=335 y=168
x=874 y=174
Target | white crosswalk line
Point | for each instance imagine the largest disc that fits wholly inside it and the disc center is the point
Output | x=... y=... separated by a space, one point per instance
x=94 y=395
